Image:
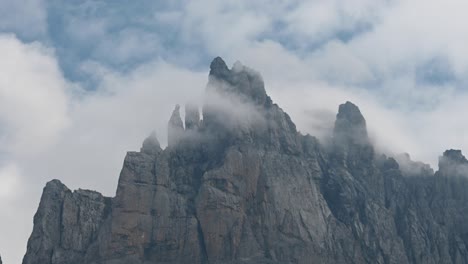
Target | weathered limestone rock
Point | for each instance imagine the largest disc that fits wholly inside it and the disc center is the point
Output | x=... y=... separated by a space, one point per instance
x=249 y=188
x=65 y=224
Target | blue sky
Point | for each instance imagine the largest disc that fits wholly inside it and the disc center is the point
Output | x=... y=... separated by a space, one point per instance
x=84 y=81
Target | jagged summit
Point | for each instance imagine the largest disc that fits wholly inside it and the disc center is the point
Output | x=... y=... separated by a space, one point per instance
x=243 y=186
x=455 y=156
x=350 y=125
x=151 y=144
x=219 y=68
x=65 y=224
x=55 y=185
x=240 y=81
x=453 y=163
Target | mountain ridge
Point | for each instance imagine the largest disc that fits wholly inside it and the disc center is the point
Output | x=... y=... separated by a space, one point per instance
x=242 y=185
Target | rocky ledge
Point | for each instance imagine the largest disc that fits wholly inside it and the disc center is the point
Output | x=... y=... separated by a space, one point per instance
x=244 y=186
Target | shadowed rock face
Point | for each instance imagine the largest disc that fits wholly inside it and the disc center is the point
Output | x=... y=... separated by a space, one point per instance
x=244 y=186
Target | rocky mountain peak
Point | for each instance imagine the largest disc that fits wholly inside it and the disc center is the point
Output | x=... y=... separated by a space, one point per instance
x=350 y=125
x=453 y=163
x=151 y=144
x=455 y=156
x=218 y=68
x=68 y=222
x=55 y=186
x=239 y=81
x=249 y=188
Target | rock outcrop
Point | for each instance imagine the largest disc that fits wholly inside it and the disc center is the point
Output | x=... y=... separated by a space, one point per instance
x=244 y=186
x=65 y=224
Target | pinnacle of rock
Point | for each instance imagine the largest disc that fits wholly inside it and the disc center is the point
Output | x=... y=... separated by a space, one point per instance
x=350 y=125
x=453 y=163
x=151 y=144
x=455 y=156
x=218 y=68
x=175 y=127
x=239 y=81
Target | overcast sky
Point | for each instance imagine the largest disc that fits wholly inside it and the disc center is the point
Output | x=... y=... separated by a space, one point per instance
x=84 y=81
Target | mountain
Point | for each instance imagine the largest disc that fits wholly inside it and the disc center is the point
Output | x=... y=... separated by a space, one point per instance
x=242 y=185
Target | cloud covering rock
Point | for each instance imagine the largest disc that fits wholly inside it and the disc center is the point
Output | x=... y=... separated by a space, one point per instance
x=251 y=193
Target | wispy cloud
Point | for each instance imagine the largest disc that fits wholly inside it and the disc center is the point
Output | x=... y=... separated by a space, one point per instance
x=83 y=82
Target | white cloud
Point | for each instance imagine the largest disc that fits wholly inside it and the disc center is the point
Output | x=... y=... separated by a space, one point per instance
x=51 y=129
x=224 y=26
x=17 y=211
x=33 y=100
x=316 y=20
x=115 y=119
x=33 y=113
x=9 y=178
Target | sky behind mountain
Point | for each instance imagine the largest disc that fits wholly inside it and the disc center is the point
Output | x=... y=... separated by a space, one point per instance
x=84 y=81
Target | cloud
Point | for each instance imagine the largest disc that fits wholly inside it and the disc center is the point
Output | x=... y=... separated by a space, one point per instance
x=313 y=22
x=9 y=177
x=236 y=112
x=33 y=114
x=33 y=97
x=15 y=221
x=404 y=66
x=115 y=119
x=53 y=129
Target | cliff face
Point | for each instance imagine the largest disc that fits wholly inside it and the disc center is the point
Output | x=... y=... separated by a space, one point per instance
x=65 y=224
x=243 y=186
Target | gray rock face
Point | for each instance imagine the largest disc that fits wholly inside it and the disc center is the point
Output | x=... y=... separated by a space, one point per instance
x=244 y=186
x=65 y=224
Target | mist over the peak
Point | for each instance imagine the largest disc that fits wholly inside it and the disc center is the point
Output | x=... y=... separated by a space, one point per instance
x=83 y=82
